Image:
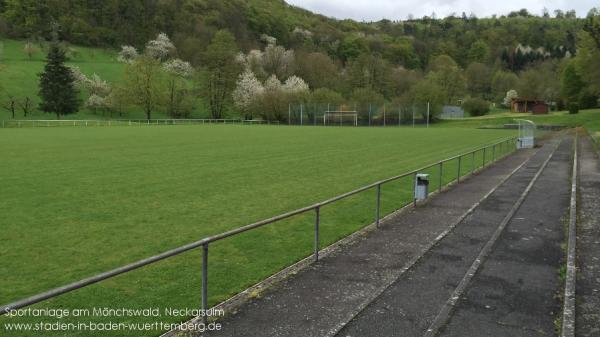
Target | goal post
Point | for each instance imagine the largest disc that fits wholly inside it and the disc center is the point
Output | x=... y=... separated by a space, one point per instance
x=340 y=118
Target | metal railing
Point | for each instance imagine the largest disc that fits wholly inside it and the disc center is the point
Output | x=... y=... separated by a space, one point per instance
x=504 y=146
x=123 y=122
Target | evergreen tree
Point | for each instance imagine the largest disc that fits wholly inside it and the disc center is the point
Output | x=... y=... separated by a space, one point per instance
x=57 y=84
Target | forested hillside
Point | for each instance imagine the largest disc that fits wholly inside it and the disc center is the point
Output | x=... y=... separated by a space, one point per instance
x=550 y=56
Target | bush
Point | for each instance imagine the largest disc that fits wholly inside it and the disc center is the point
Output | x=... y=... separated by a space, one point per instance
x=476 y=106
x=573 y=108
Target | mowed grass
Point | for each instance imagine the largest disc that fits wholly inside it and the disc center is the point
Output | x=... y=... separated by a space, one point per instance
x=590 y=119
x=78 y=201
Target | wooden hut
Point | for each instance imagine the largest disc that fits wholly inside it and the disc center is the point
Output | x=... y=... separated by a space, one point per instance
x=535 y=106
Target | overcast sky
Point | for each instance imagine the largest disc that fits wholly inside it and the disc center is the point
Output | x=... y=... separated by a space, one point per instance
x=374 y=10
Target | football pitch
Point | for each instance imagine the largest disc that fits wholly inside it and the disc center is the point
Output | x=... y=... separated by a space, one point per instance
x=79 y=201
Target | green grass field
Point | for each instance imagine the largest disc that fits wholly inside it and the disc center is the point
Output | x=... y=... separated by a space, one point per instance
x=78 y=201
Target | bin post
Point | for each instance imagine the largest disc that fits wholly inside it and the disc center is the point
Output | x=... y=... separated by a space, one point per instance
x=378 y=205
x=317 y=221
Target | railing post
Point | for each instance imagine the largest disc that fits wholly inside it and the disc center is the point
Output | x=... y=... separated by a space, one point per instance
x=458 y=173
x=378 y=205
x=440 y=177
x=483 y=165
x=494 y=153
x=317 y=221
x=204 y=281
x=473 y=162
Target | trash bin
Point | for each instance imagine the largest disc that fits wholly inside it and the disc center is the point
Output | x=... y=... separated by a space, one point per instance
x=421 y=186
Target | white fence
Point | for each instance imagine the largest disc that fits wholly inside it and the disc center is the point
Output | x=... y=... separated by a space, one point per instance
x=125 y=122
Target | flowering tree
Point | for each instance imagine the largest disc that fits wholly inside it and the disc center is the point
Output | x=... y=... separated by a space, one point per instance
x=295 y=85
x=277 y=60
x=510 y=95
x=127 y=54
x=160 y=48
x=97 y=88
x=178 y=97
x=247 y=90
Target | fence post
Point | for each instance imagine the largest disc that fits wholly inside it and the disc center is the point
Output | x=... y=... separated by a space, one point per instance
x=378 y=205
x=441 y=182
x=483 y=165
x=494 y=153
x=204 y=281
x=473 y=162
x=317 y=221
x=458 y=173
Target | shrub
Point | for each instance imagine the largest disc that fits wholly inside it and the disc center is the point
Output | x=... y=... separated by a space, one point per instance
x=476 y=106
x=573 y=108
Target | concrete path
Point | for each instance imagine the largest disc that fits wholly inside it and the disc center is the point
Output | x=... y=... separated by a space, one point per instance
x=516 y=290
x=587 y=311
x=513 y=291
x=323 y=298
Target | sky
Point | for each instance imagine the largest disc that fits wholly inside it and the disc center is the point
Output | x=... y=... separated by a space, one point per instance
x=374 y=10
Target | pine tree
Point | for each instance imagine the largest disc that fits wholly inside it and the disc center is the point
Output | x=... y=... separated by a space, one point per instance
x=57 y=84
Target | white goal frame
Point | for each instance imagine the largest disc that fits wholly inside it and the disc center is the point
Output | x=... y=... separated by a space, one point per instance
x=339 y=116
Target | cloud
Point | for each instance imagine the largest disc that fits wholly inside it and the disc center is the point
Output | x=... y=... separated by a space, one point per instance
x=373 y=10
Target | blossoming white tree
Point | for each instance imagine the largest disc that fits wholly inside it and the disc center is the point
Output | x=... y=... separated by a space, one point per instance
x=160 y=48
x=295 y=85
x=510 y=95
x=247 y=91
x=127 y=54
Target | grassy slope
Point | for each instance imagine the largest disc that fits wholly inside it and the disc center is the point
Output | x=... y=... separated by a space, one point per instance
x=590 y=119
x=19 y=77
x=77 y=201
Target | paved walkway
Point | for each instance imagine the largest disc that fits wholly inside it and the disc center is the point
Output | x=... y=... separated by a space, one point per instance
x=588 y=243
x=513 y=291
x=323 y=298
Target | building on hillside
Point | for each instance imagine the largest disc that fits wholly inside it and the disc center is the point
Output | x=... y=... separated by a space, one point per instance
x=537 y=107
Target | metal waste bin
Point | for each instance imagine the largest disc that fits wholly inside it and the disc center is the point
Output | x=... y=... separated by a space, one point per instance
x=421 y=186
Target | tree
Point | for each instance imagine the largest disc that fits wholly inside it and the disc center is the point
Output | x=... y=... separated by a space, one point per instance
x=178 y=97
x=502 y=82
x=160 y=48
x=476 y=106
x=479 y=51
x=510 y=96
x=127 y=54
x=30 y=49
x=144 y=83
x=9 y=104
x=479 y=77
x=427 y=91
x=571 y=85
x=57 y=84
x=248 y=90
x=448 y=76
x=222 y=71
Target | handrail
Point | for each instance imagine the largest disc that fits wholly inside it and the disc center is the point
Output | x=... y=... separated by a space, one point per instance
x=4 y=309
